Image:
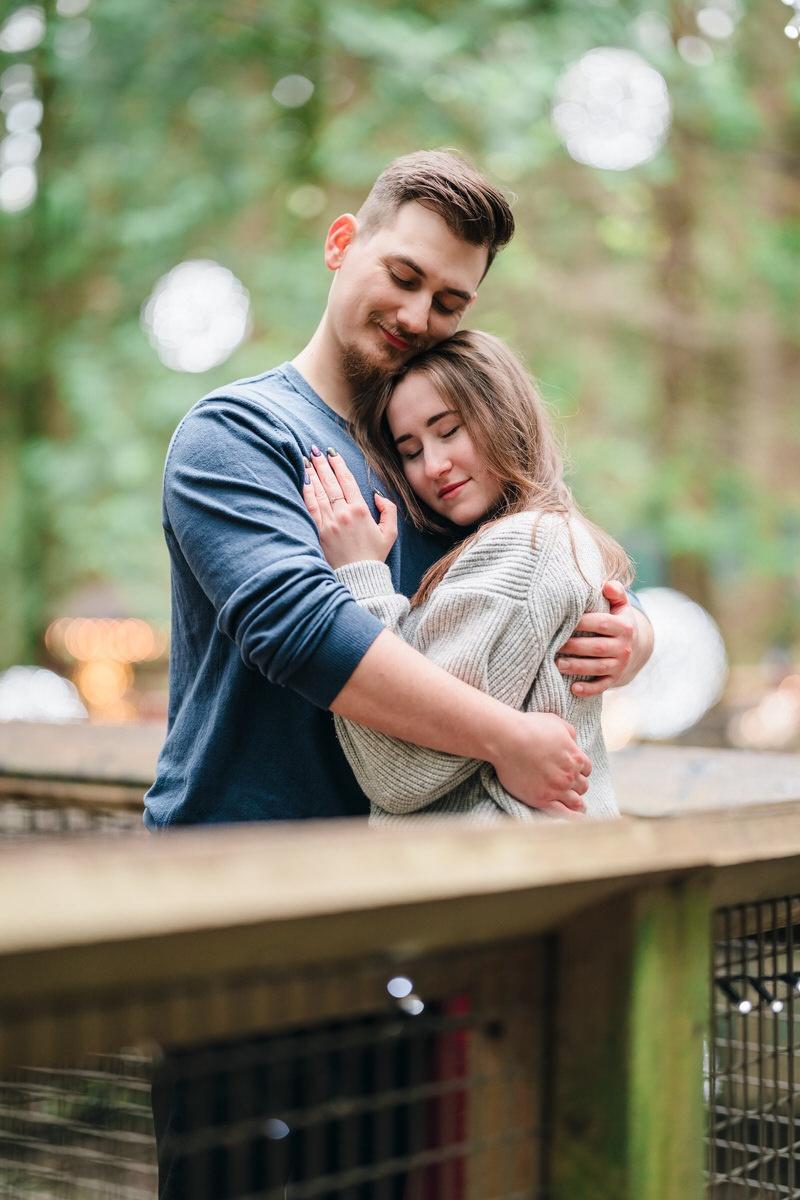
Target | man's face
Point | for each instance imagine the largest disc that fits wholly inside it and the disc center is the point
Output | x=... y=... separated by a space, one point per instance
x=399 y=290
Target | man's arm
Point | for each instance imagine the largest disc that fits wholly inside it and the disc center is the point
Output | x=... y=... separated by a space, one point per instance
x=398 y=691
x=621 y=645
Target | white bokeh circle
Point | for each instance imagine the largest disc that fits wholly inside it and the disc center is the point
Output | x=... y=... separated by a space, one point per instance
x=612 y=109
x=36 y=694
x=196 y=315
x=683 y=679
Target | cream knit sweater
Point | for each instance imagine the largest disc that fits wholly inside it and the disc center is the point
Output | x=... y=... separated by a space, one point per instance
x=496 y=620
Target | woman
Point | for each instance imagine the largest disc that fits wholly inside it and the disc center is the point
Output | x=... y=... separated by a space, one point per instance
x=462 y=435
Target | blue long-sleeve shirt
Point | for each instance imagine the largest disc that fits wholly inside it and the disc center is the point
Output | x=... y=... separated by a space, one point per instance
x=263 y=634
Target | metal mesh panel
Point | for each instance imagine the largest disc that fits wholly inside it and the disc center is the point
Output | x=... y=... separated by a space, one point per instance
x=431 y=1094
x=754 y=1142
x=39 y=805
x=25 y=817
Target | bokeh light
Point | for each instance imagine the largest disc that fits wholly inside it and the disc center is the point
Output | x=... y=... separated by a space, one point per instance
x=771 y=724
x=23 y=30
x=399 y=987
x=36 y=694
x=127 y=640
x=715 y=22
x=293 y=91
x=683 y=679
x=612 y=109
x=695 y=51
x=20 y=150
x=18 y=187
x=71 y=8
x=73 y=39
x=24 y=115
x=306 y=200
x=196 y=316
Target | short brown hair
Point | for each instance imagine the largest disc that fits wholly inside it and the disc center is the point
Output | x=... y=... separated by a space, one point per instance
x=448 y=184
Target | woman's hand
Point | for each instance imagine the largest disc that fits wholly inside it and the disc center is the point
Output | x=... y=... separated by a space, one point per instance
x=348 y=531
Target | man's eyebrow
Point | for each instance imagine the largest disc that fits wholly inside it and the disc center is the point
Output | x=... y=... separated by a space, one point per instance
x=446 y=412
x=409 y=262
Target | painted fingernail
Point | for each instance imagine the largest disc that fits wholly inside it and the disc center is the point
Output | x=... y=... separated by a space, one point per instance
x=306 y=463
x=307 y=477
x=315 y=450
x=330 y=451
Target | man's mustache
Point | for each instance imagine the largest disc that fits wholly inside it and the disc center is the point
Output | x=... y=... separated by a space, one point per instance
x=415 y=344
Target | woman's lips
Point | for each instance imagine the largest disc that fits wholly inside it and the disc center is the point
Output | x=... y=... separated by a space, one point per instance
x=451 y=489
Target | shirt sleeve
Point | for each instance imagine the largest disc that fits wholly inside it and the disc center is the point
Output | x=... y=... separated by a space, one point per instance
x=233 y=503
x=473 y=632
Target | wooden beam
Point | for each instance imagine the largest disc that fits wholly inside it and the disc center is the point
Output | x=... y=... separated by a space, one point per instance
x=631 y=1011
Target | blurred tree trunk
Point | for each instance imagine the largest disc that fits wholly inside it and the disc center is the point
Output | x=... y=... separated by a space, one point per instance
x=33 y=409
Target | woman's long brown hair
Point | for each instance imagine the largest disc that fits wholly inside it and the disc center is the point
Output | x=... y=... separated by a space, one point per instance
x=504 y=414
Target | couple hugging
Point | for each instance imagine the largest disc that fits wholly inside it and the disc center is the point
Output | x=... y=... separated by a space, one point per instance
x=448 y=633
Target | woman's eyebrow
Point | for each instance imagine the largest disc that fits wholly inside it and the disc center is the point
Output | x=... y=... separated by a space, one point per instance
x=409 y=262
x=446 y=412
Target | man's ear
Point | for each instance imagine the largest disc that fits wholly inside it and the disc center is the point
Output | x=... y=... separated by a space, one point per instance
x=340 y=235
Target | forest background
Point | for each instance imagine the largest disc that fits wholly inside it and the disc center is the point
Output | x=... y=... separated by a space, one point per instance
x=657 y=305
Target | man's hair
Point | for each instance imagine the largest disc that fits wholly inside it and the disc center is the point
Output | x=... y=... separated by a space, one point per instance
x=449 y=185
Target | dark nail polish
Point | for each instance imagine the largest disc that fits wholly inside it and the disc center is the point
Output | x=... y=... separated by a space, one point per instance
x=307 y=477
x=306 y=463
x=315 y=450
x=330 y=452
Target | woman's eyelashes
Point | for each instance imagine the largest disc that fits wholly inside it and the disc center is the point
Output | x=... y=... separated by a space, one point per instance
x=409 y=457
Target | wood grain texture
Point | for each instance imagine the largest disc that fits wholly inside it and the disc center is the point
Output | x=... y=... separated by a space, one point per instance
x=631 y=999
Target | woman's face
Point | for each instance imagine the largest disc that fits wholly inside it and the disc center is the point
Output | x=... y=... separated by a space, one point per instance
x=439 y=458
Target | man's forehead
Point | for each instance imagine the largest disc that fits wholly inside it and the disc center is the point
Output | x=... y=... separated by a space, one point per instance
x=423 y=240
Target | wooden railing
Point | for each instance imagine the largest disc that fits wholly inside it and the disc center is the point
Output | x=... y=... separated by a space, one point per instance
x=210 y=933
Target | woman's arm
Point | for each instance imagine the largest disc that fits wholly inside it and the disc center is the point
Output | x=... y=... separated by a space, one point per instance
x=477 y=626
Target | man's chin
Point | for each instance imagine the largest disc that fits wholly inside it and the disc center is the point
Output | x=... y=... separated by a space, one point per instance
x=366 y=372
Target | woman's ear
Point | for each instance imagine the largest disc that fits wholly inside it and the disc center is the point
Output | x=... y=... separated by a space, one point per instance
x=340 y=235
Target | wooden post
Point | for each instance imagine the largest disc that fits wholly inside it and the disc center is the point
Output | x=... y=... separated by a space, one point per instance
x=630 y=1011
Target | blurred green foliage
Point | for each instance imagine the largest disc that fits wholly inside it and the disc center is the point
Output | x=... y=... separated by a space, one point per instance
x=657 y=306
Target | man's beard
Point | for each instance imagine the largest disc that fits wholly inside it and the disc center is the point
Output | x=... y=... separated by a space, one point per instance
x=366 y=373
x=363 y=373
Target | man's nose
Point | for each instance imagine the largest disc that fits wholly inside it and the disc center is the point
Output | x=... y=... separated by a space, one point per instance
x=412 y=316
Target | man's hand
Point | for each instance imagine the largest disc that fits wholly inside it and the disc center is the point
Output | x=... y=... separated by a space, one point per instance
x=543 y=765
x=621 y=645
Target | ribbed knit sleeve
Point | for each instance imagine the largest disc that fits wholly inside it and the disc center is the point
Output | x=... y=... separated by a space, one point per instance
x=371 y=585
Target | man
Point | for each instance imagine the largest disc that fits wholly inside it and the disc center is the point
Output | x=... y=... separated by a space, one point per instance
x=265 y=640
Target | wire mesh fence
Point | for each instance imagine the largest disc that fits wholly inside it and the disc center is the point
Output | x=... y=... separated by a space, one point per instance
x=429 y=1094
x=23 y=816
x=754 y=1137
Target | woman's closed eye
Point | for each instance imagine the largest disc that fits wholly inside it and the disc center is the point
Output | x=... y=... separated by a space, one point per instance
x=409 y=456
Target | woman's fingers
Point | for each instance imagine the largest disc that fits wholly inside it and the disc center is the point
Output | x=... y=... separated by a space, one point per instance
x=331 y=485
x=310 y=495
x=344 y=476
x=320 y=494
x=557 y=809
x=388 y=518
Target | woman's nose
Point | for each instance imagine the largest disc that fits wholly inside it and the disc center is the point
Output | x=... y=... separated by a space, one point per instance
x=436 y=465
